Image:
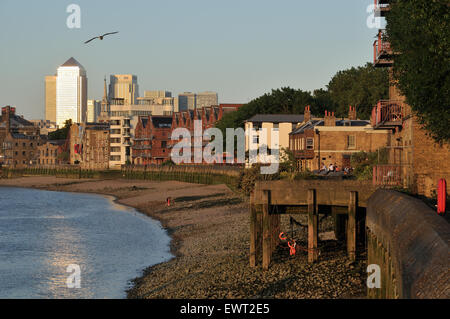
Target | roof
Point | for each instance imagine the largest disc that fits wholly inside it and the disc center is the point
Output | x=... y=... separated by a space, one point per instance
x=277 y=118
x=16 y=121
x=73 y=62
x=319 y=122
x=162 y=121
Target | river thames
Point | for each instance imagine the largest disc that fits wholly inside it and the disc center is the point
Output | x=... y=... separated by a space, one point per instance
x=43 y=233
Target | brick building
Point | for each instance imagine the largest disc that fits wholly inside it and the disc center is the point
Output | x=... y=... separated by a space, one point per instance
x=420 y=161
x=19 y=140
x=265 y=126
x=151 y=140
x=329 y=140
x=17 y=125
x=54 y=152
x=209 y=117
x=89 y=145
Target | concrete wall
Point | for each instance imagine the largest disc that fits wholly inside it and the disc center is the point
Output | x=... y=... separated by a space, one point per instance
x=409 y=241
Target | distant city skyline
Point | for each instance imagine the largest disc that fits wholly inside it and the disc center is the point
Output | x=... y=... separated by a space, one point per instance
x=239 y=49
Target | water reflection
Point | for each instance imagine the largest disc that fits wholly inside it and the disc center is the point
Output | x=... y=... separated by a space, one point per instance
x=41 y=233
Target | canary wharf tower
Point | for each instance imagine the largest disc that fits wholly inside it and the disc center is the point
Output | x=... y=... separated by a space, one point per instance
x=71 y=93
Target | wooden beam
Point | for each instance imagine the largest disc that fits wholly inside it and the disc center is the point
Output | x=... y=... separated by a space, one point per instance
x=267 y=240
x=339 y=223
x=253 y=233
x=351 y=225
x=313 y=253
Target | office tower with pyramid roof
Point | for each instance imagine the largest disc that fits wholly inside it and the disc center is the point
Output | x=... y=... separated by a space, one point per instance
x=71 y=93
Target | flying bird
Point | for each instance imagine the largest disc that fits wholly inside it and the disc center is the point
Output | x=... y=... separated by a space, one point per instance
x=101 y=36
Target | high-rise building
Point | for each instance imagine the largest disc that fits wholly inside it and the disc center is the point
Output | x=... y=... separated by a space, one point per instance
x=93 y=110
x=71 y=93
x=206 y=99
x=157 y=94
x=50 y=98
x=124 y=86
x=187 y=101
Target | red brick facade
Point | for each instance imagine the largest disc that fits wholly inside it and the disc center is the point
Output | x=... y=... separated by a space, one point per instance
x=209 y=117
x=151 y=140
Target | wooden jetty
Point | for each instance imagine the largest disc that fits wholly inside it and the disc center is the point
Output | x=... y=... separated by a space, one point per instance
x=344 y=199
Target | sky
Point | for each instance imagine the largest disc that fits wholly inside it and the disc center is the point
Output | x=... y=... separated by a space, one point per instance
x=238 y=48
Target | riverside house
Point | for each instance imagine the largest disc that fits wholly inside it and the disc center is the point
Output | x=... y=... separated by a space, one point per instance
x=284 y=124
x=329 y=140
x=151 y=140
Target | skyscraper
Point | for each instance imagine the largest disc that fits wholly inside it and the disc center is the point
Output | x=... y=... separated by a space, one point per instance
x=93 y=110
x=71 y=93
x=50 y=98
x=205 y=99
x=124 y=86
x=187 y=101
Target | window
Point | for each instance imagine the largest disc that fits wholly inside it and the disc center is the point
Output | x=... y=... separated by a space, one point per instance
x=309 y=143
x=276 y=126
x=351 y=142
x=255 y=139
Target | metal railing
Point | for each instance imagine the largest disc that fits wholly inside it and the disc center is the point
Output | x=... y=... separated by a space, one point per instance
x=387 y=175
x=381 y=48
x=388 y=112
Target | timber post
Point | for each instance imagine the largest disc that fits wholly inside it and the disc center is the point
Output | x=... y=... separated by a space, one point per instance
x=253 y=232
x=267 y=236
x=313 y=255
x=351 y=225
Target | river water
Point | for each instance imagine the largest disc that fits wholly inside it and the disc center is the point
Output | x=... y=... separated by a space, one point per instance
x=43 y=233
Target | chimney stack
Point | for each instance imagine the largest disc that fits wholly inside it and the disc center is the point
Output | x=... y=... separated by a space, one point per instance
x=352 y=113
x=329 y=119
x=8 y=118
x=307 y=114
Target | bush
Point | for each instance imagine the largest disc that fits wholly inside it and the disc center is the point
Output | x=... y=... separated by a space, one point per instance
x=248 y=177
x=363 y=163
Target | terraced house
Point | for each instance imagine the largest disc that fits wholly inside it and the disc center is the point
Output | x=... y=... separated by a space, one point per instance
x=209 y=116
x=151 y=140
x=330 y=140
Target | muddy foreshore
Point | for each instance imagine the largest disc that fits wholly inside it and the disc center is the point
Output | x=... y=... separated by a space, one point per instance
x=209 y=226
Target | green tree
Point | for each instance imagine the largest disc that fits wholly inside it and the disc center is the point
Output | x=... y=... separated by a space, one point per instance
x=62 y=133
x=361 y=87
x=419 y=33
x=280 y=101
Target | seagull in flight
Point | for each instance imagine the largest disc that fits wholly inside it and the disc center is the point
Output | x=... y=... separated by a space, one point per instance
x=101 y=36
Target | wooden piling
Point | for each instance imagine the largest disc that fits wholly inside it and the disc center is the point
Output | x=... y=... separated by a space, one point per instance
x=351 y=225
x=253 y=233
x=313 y=253
x=267 y=240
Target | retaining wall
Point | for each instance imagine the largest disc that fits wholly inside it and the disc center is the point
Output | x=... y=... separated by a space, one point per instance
x=409 y=241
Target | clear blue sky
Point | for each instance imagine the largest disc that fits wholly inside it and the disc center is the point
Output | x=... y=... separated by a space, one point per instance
x=239 y=48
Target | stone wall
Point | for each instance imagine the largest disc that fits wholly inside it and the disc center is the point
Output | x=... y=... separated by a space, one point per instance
x=409 y=241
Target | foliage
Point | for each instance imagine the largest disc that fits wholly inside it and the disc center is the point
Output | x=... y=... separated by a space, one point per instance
x=281 y=101
x=248 y=177
x=62 y=133
x=169 y=162
x=363 y=163
x=287 y=161
x=361 y=87
x=419 y=33
x=63 y=156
